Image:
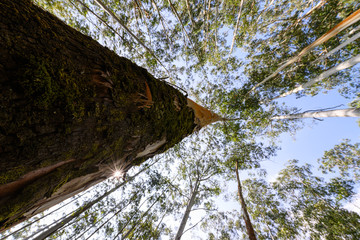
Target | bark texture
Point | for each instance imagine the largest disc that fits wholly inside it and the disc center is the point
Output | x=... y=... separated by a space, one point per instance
x=71 y=111
x=249 y=227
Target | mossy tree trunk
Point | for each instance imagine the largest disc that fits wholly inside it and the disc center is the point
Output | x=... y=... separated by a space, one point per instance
x=71 y=111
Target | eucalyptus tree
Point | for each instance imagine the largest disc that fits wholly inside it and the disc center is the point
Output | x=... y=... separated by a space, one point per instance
x=343 y=158
x=192 y=34
x=271 y=221
x=286 y=39
x=243 y=156
x=84 y=112
x=298 y=204
x=198 y=170
x=348 y=112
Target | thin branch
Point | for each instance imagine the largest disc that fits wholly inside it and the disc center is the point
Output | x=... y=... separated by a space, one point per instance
x=204 y=209
x=319 y=5
x=98 y=228
x=353 y=18
x=344 y=65
x=235 y=30
x=162 y=23
x=190 y=15
x=106 y=9
x=324 y=109
x=267 y=6
x=143 y=16
x=194 y=225
x=207 y=12
x=144 y=214
x=104 y=22
x=178 y=18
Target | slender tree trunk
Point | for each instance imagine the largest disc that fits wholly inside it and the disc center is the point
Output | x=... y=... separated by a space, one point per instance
x=235 y=30
x=349 y=112
x=348 y=41
x=344 y=65
x=190 y=15
x=350 y=20
x=249 y=227
x=71 y=111
x=319 y=5
x=187 y=211
x=138 y=222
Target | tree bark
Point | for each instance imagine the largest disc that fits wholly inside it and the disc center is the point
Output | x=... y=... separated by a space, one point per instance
x=342 y=45
x=188 y=210
x=235 y=30
x=349 y=112
x=350 y=20
x=344 y=65
x=249 y=227
x=72 y=111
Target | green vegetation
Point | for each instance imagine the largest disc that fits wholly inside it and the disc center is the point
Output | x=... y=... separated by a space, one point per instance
x=219 y=52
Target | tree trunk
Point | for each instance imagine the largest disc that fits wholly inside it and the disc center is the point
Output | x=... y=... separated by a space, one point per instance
x=344 y=65
x=350 y=20
x=187 y=211
x=342 y=45
x=235 y=30
x=72 y=111
x=349 y=112
x=249 y=227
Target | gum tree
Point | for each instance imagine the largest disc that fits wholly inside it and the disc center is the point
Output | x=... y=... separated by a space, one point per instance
x=73 y=112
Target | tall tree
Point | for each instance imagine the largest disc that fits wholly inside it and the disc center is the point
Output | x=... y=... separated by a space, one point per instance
x=299 y=204
x=348 y=112
x=72 y=111
x=248 y=224
x=199 y=168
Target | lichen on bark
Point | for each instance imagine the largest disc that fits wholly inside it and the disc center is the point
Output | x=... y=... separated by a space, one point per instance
x=64 y=96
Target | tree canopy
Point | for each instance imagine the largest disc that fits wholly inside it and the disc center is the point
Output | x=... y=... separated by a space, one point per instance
x=219 y=53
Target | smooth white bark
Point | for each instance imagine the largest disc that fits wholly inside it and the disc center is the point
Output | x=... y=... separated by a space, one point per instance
x=353 y=18
x=187 y=211
x=350 y=40
x=320 y=4
x=344 y=65
x=349 y=112
x=235 y=30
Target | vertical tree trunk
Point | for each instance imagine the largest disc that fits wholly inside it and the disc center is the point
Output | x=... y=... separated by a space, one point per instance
x=249 y=228
x=187 y=211
x=72 y=111
x=349 y=112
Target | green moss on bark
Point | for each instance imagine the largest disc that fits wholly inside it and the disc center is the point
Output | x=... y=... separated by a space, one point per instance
x=64 y=96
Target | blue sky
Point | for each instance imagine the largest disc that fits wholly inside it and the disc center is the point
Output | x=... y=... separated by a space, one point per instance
x=310 y=142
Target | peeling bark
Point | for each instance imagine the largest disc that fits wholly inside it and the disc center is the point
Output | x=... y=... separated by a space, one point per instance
x=70 y=112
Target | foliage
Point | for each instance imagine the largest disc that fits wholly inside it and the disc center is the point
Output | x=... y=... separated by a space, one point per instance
x=299 y=204
x=345 y=157
x=193 y=40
